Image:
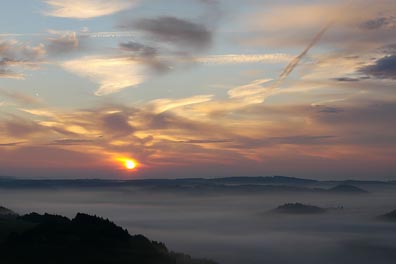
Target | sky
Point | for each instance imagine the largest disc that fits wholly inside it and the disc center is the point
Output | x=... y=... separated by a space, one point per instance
x=198 y=88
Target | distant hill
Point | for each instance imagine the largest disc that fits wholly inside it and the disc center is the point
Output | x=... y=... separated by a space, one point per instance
x=298 y=208
x=84 y=239
x=391 y=216
x=227 y=185
x=263 y=180
x=6 y=212
x=346 y=188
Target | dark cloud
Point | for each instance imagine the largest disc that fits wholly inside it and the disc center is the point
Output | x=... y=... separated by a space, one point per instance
x=139 y=49
x=147 y=55
x=168 y=120
x=384 y=68
x=70 y=142
x=18 y=56
x=183 y=33
x=117 y=124
x=301 y=140
x=251 y=143
x=327 y=109
x=205 y=141
x=347 y=79
x=378 y=23
x=62 y=43
x=18 y=127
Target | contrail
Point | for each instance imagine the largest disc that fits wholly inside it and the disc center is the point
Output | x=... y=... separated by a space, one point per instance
x=293 y=64
x=115 y=34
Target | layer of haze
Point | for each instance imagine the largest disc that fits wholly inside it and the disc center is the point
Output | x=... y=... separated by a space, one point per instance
x=237 y=229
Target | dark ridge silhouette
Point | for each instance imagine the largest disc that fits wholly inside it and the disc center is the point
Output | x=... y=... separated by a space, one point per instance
x=298 y=208
x=6 y=212
x=259 y=184
x=83 y=239
x=346 y=188
x=391 y=216
x=264 y=180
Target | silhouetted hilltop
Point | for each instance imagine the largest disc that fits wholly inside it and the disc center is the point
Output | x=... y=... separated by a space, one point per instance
x=6 y=212
x=83 y=239
x=264 y=180
x=298 y=208
x=227 y=185
x=391 y=216
x=346 y=188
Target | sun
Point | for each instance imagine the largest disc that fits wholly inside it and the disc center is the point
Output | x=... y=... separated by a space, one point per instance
x=130 y=164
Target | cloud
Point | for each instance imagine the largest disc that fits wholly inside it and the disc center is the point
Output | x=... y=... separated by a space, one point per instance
x=380 y=22
x=347 y=79
x=353 y=29
x=11 y=144
x=301 y=140
x=253 y=93
x=180 y=32
x=205 y=141
x=117 y=124
x=20 y=98
x=163 y=105
x=16 y=56
x=71 y=142
x=21 y=128
x=85 y=9
x=112 y=74
x=62 y=42
x=147 y=55
x=243 y=58
x=383 y=68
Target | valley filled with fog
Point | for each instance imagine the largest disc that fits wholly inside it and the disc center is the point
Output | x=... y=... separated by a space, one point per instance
x=236 y=228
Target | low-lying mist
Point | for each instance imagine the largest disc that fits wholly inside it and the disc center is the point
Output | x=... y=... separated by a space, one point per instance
x=235 y=229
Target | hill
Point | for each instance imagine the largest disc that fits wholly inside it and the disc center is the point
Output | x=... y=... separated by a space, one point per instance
x=391 y=216
x=298 y=208
x=81 y=240
x=6 y=212
x=346 y=188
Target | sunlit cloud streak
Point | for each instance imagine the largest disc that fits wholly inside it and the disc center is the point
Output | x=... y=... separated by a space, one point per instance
x=85 y=9
x=112 y=74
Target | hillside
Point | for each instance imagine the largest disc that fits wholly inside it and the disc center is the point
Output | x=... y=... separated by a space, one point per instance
x=391 y=216
x=298 y=208
x=83 y=239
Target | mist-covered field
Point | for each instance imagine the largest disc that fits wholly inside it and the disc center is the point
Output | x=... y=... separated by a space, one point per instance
x=236 y=228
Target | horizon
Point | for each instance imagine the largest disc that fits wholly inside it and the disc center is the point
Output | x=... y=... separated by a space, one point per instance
x=200 y=178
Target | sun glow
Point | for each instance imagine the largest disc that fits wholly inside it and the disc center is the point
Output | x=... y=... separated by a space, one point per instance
x=127 y=163
x=130 y=164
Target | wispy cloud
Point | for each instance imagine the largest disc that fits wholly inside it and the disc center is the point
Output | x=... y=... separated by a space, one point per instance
x=253 y=93
x=112 y=74
x=15 y=57
x=84 y=9
x=243 y=58
x=20 y=98
x=163 y=105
